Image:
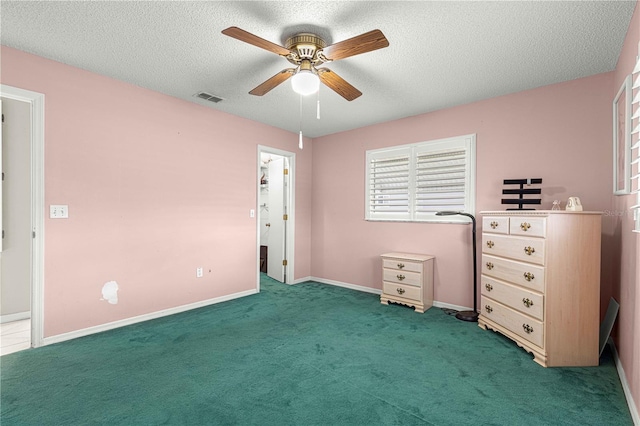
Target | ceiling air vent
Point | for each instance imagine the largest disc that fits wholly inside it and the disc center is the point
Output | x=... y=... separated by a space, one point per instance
x=208 y=97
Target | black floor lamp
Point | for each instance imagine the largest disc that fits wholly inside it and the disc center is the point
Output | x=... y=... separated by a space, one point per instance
x=471 y=316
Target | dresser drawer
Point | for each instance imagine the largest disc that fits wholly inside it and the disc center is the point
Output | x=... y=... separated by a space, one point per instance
x=519 y=248
x=495 y=225
x=524 y=274
x=525 y=301
x=402 y=277
x=522 y=325
x=530 y=226
x=402 y=265
x=399 y=290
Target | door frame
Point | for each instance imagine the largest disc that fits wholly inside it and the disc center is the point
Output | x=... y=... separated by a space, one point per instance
x=291 y=207
x=36 y=104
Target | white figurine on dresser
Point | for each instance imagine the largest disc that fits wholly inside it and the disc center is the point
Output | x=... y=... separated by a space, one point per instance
x=540 y=283
x=407 y=278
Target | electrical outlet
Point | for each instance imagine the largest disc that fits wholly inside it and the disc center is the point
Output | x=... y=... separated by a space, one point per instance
x=58 y=211
x=198 y=272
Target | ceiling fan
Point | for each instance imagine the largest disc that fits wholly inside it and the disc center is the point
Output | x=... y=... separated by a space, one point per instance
x=306 y=51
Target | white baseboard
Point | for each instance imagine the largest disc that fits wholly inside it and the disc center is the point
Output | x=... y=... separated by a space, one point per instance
x=302 y=280
x=18 y=316
x=376 y=291
x=450 y=306
x=625 y=385
x=146 y=317
x=347 y=285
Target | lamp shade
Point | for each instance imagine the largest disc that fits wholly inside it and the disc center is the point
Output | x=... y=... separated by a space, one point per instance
x=305 y=82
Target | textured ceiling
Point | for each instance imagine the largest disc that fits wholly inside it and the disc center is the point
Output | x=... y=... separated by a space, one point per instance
x=441 y=54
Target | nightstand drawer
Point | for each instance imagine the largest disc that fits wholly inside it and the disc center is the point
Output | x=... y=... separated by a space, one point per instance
x=402 y=277
x=525 y=301
x=522 y=325
x=520 y=273
x=405 y=291
x=402 y=265
x=530 y=226
x=495 y=225
x=519 y=248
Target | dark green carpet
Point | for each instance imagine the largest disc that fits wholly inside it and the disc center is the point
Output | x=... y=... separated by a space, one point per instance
x=309 y=354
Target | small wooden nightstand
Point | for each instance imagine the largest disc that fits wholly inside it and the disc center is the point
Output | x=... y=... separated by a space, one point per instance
x=407 y=279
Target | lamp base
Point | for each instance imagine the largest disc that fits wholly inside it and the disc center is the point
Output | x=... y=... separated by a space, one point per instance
x=470 y=316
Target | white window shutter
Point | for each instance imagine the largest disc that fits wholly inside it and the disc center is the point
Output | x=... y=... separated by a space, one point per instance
x=635 y=141
x=441 y=181
x=413 y=182
x=389 y=180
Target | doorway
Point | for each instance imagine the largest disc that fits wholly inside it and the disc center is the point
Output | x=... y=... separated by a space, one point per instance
x=15 y=257
x=22 y=207
x=276 y=214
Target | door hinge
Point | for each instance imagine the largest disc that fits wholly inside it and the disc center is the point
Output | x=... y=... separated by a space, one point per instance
x=3 y=118
x=284 y=262
x=285 y=217
x=33 y=234
x=285 y=171
x=3 y=234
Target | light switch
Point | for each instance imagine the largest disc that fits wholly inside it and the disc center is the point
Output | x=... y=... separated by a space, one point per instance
x=58 y=211
x=252 y=213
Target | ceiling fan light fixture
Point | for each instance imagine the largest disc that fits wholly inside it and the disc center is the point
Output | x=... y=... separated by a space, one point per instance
x=305 y=82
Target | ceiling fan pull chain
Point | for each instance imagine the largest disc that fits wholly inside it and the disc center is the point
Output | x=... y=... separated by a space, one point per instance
x=300 y=135
x=318 y=106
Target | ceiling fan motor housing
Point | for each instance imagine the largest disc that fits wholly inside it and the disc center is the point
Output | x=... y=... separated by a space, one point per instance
x=306 y=45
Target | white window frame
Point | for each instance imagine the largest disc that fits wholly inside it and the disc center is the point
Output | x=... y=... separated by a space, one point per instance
x=634 y=157
x=466 y=142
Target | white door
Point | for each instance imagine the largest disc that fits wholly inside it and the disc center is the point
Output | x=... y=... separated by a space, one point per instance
x=276 y=238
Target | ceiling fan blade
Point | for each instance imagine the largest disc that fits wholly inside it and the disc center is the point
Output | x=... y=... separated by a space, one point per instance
x=373 y=40
x=247 y=37
x=339 y=85
x=277 y=79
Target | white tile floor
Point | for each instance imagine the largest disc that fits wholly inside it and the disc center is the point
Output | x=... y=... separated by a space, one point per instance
x=15 y=336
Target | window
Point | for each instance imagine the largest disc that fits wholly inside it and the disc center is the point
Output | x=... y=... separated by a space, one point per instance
x=635 y=141
x=413 y=182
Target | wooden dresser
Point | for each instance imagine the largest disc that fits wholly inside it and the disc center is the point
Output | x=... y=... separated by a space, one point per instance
x=407 y=278
x=540 y=283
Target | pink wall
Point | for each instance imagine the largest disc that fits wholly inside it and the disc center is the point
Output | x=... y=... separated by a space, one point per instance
x=561 y=133
x=557 y=132
x=155 y=187
x=626 y=244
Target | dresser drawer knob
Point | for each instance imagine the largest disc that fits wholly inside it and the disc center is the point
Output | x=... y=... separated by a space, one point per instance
x=528 y=276
x=400 y=290
x=488 y=286
x=527 y=328
x=490 y=244
x=527 y=302
x=488 y=308
x=493 y=225
x=489 y=265
x=529 y=250
x=525 y=226
x=400 y=277
x=400 y=265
